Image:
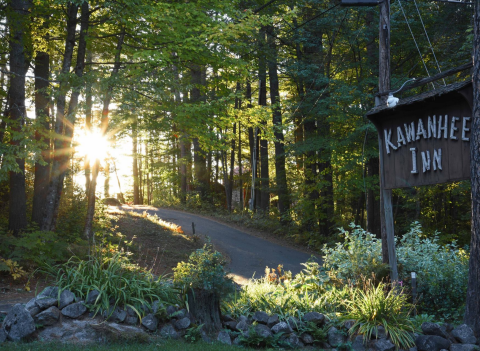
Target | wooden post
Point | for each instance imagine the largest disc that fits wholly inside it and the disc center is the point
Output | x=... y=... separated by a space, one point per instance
x=386 y=212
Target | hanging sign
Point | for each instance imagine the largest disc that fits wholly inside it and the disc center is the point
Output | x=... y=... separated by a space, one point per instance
x=425 y=139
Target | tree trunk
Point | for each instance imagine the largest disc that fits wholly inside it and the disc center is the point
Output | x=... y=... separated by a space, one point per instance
x=88 y=122
x=232 y=166
x=19 y=60
x=42 y=172
x=56 y=181
x=472 y=311
x=280 y=170
x=204 y=306
x=262 y=101
x=136 y=191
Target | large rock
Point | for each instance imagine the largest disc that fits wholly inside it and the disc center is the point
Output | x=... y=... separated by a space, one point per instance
x=464 y=347
x=281 y=327
x=66 y=298
x=115 y=314
x=272 y=320
x=232 y=325
x=293 y=341
x=169 y=332
x=379 y=332
x=150 y=322
x=183 y=323
x=224 y=337
x=294 y=323
x=307 y=338
x=32 y=307
x=74 y=310
x=3 y=335
x=18 y=323
x=358 y=343
x=91 y=331
x=434 y=329
x=384 y=345
x=49 y=291
x=335 y=337
x=242 y=325
x=464 y=334
x=46 y=302
x=92 y=297
x=263 y=330
x=48 y=317
x=315 y=317
x=260 y=317
x=171 y=310
x=132 y=317
x=431 y=343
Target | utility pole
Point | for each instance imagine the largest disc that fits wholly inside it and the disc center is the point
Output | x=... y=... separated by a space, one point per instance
x=386 y=211
x=472 y=310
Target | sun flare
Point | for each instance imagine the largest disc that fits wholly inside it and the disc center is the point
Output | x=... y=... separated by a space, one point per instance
x=94 y=146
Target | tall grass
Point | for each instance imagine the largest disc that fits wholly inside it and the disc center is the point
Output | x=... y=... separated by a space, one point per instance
x=112 y=274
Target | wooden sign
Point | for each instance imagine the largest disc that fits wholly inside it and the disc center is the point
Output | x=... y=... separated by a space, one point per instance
x=426 y=138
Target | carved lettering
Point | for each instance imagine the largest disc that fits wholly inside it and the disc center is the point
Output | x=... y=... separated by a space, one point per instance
x=437 y=159
x=426 y=160
x=414 y=160
x=421 y=130
x=410 y=132
x=444 y=128
x=400 y=137
x=453 y=129
x=388 y=142
x=465 y=129
x=432 y=126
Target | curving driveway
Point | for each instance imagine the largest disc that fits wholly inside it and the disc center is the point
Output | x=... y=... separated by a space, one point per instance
x=249 y=255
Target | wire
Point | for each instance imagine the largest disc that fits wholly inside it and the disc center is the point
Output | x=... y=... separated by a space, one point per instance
x=419 y=52
x=429 y=43
x=314 y=17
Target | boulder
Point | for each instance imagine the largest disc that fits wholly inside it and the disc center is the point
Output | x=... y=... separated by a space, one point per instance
x=224 y=337
x=183 y=323
x=92 y=297
x=263 y=330
x=464 y=347
x=307 y=338
x=115 y=314
x=261 y=317
x=171 y=310
x=227 y=318
x=169 y=332
x=281 y=327
x=315 y=317
x=181 y=314
x=131 y=320
x=384 y=345
x=335 y=337
x=431 y=343
x=74 y=310
x=242 y=325
x=46 y=302
x=272 y=320
x=49 y=291
x=293 y=340
x=349 y=323
x=48 y=317
x=66 y=298
x=293 y=322
x=464 y=334
x=434 y=329
x=358 y=343
x=150 y=322
x=3 y=335
x=157 y=306
x=232 y=325
x=18 y=323
x=379 y=332
x=32 y=307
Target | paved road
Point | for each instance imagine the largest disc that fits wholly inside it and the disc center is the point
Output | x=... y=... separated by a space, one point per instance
x=249 y=254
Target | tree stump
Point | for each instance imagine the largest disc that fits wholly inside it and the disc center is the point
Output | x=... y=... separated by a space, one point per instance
x=204 y=307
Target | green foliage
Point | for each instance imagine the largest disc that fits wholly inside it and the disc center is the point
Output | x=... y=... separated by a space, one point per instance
x=204 y=270
x=381 y=305
x=112 y=274
x=253 y=339
x=419 y=319
x=194 y=333
x=319 y=334
x=442 y=271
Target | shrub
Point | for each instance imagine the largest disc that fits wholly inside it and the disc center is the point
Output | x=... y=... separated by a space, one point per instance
x=381 y=305
x=204 y=270
x=112 y=274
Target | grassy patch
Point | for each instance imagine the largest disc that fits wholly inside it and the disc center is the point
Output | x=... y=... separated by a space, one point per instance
x=155 y=244
x=165 y=346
